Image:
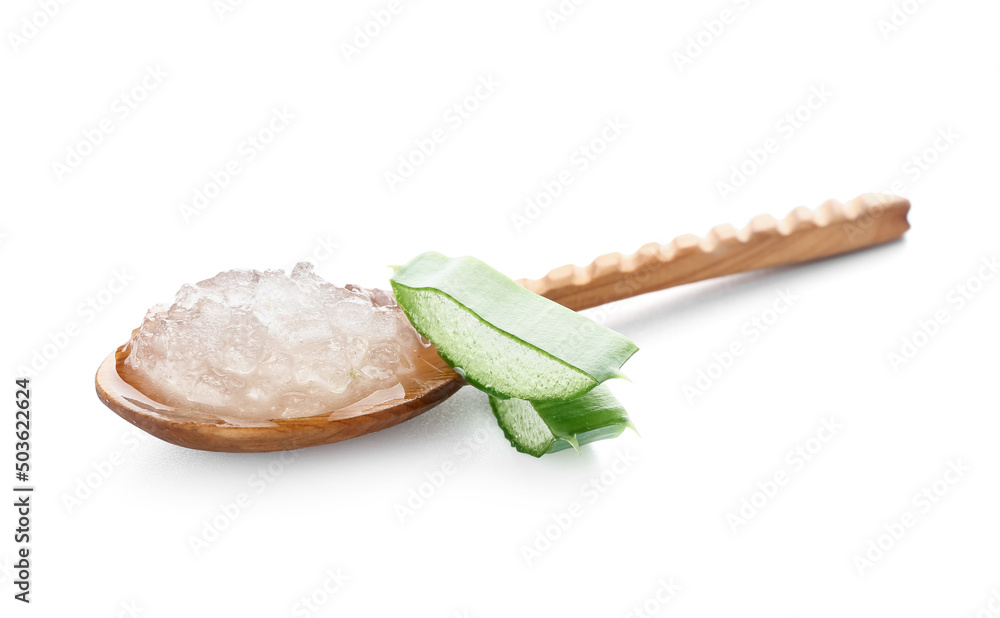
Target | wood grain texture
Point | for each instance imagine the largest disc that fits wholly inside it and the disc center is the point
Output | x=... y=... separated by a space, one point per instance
x=803 y=235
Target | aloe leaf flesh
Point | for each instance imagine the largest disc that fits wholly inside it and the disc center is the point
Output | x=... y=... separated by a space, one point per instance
x=539 y=428
x=502 y=338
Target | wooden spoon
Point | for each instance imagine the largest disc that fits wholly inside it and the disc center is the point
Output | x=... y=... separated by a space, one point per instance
x=803 y=235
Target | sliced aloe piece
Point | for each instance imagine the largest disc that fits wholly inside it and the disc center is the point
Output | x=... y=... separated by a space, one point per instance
x=542 y=427
x=504 y=339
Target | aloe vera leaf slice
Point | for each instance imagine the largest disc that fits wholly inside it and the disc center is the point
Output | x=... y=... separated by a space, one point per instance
x=504 y=339
x=539 y=428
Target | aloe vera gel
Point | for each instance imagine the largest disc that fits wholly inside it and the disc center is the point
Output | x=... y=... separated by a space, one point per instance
x=252 y=346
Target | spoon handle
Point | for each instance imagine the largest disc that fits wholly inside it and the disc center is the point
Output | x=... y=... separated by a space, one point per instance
x=803 y=235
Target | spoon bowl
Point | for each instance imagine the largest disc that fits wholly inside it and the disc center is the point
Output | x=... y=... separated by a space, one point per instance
x=431 y=382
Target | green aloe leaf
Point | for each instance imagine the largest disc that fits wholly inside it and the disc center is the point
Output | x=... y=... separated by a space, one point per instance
x=506 y=340
x=538 y=428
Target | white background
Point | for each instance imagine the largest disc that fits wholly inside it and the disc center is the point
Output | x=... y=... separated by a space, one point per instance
x=127 y=542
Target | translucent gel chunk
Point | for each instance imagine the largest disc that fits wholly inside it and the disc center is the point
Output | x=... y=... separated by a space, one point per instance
x=259 y=346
